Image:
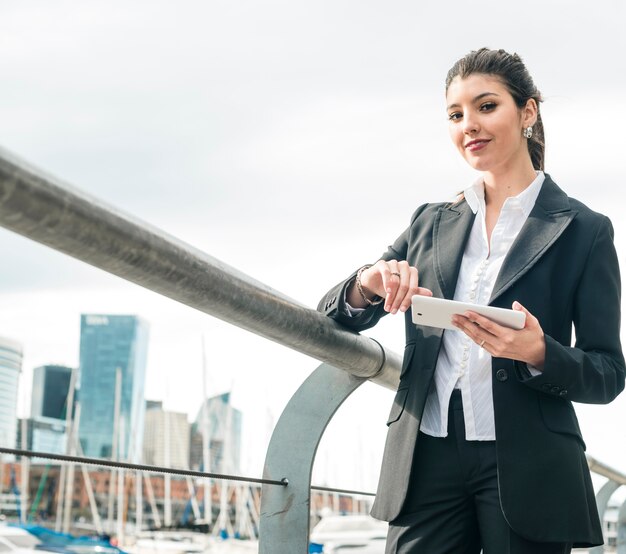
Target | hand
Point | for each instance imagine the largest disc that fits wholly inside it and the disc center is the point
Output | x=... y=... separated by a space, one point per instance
x=526 y=345
x=394 y=281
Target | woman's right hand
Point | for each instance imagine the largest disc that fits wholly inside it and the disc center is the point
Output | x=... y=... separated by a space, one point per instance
x=396 y=282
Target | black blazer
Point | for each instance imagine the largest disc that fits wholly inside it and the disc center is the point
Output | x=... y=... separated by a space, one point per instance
x=563 y=268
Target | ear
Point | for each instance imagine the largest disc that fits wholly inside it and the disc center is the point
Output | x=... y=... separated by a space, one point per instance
x=529 y=113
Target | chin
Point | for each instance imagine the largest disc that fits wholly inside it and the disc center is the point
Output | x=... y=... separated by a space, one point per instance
x=478 y=164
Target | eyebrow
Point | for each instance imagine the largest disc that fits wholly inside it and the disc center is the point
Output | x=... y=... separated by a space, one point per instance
x=476 y=99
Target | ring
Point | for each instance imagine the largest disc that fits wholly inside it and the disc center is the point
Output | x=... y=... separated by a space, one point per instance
x=481 y=344
x=396 y=273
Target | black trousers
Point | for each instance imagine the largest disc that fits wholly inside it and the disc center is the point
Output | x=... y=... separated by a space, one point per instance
x=453 y=504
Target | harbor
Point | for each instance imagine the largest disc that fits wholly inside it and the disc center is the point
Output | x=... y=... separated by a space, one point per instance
x=179 y=187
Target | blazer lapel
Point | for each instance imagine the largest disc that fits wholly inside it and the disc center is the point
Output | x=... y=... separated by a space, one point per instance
x=548 y=219
x=450 y=233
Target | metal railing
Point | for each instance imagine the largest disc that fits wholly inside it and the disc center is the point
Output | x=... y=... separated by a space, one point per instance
x=44 y=209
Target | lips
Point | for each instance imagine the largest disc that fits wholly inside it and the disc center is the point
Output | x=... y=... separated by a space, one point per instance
x=477 y=144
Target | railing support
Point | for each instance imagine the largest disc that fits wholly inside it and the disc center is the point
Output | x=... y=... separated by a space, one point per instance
x=602 y=500
x=285 y=511
x=621 y=530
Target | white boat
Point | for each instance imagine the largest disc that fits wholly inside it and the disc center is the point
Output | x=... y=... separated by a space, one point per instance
x=350 y=534
x=181 y=542
x=18 y=541
x=235 y=546
x=170 y=542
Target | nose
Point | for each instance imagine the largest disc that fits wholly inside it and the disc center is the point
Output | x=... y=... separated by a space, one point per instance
x=470 y=125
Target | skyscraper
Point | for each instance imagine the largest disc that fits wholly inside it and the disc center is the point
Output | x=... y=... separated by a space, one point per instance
x=166 y=437
x=10 y=368
x=109 y=343
x=223 y=423
x=46 y=429
x=51 y=385
x=43 y=434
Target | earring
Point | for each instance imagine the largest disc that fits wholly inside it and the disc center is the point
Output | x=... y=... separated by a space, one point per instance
x=528 y=132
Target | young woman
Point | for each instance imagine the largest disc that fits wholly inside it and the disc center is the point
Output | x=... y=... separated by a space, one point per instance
x=483 y=449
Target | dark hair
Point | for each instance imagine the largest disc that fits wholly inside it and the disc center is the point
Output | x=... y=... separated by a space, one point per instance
x=511 y=70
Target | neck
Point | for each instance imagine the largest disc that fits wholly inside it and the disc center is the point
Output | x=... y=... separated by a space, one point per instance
x=500 y=185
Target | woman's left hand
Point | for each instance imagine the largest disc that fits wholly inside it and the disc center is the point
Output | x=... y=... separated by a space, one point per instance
x=526 y=345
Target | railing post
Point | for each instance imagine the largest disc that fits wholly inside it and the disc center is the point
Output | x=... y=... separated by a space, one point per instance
x=285 y=511
x=621 y=529
x=602 y=500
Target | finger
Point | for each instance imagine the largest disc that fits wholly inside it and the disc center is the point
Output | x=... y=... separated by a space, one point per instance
x=475 y=332
x=403 y=285
x=462 y=323
x=390 y=282
x=489 y=325
x=413 y=289
x=489 y=349
x=530 y=318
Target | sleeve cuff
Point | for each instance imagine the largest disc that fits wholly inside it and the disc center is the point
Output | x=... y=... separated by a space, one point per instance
x=350 y=311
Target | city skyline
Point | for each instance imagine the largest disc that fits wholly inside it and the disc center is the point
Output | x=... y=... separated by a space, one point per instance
x=291 y=142
x=30 y=411
x=46 y=421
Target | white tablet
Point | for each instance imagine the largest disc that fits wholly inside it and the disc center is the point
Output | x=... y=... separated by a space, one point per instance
x=438 y=312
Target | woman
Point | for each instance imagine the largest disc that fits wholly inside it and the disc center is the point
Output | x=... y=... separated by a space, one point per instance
x=483 y=449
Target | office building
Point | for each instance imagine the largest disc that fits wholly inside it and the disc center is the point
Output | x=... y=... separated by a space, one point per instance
x=51 y=387
x=10 y=368
x=166 y=437
x=223 y=424
x=43 y=435
x=112 y=344
x=46 y=427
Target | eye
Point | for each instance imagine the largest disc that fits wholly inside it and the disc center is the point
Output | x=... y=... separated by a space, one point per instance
x=487 y=106
x=454 y=116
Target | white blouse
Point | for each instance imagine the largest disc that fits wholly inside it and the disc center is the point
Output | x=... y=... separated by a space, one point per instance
x=462 y=364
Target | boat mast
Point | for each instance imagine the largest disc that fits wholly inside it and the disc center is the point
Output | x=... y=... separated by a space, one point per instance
x=88 y=486
x=120 y=487
x=69 y=483
x=114 y=446
x=138 y=502
x=167 y=492
x=24 y=471
x=153 y=505
x=224 y=526
x=69 y=406
x=206 y=460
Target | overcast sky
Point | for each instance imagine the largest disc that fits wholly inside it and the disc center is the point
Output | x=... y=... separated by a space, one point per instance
x=291 y=140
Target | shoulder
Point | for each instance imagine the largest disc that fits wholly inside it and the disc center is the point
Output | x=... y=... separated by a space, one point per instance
x=428 y=212
x=555 y=197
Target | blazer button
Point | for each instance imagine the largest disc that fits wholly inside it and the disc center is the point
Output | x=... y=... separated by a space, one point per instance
x=555 y=390
x=502 y=375
x=563 y=393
